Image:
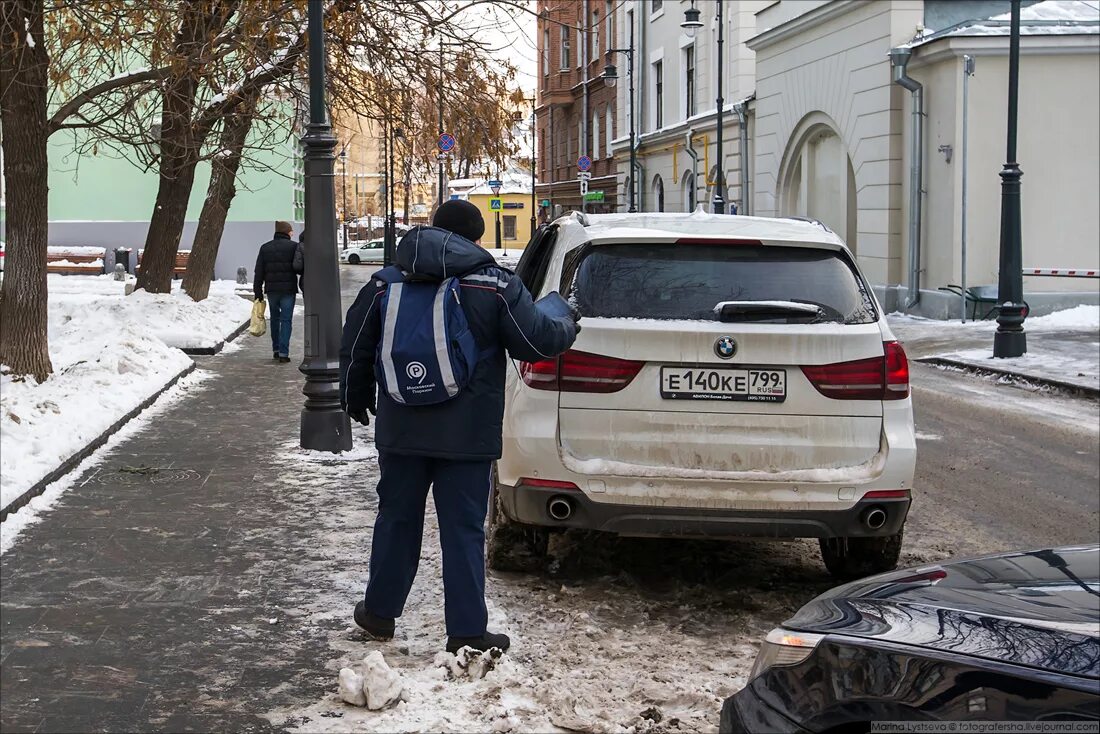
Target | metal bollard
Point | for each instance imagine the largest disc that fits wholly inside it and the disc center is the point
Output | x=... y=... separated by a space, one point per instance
x=120 y=272
x=242 y=275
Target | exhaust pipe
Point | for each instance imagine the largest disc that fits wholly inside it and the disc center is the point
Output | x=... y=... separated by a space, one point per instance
x=560 y=508
x=874 y=518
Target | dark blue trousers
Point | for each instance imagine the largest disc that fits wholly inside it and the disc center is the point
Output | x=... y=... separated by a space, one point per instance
x=461 y=491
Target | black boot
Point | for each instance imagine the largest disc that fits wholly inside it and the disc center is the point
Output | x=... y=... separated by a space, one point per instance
x=483 y=643
x=379 y=628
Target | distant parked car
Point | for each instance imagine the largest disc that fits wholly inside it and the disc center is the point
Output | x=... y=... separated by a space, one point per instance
x=372 y=251
x=735 y=377
x=1006 y=637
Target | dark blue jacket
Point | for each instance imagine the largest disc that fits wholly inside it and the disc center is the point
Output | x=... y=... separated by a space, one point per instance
x=277 y=267
x=502 y=317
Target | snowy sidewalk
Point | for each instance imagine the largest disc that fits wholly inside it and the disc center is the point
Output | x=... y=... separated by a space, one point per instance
x=1063 y=348
x=112 y=354
x=201 y=575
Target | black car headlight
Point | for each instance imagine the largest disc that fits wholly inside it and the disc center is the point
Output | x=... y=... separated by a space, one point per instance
x=784 y=647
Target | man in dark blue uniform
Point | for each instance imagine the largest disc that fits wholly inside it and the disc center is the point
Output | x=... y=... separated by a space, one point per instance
x=448 y=446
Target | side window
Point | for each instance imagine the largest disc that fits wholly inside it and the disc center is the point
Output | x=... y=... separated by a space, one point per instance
x=535 y=260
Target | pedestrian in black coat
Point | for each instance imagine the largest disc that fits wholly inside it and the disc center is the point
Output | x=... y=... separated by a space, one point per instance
x=277 y=278
x=450 y=446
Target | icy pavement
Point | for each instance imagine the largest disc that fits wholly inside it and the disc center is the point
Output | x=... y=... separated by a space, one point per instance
x=1063 y=348
x=110 y=353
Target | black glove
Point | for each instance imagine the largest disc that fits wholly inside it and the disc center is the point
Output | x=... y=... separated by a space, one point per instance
x=576 y=316
x=360 y=416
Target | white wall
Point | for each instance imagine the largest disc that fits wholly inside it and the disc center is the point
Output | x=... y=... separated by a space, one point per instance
x=1058 y=150
x=834 y=71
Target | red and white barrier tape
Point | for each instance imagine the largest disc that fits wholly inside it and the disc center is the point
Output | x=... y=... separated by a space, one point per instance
x=1063 y=272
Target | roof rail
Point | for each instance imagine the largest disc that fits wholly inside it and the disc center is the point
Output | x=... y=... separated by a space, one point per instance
x=811 y=220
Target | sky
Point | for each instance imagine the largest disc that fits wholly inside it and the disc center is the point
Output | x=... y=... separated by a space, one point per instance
x=511 y=35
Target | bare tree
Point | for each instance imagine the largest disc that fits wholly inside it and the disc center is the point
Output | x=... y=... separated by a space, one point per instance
x=23 y=68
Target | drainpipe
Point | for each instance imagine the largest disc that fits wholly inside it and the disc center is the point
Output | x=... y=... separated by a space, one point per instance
x=690 y=150
x=740 y=108
x=899 y=59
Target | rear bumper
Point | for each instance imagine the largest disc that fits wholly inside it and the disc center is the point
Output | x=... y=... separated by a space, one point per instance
x=530 y=505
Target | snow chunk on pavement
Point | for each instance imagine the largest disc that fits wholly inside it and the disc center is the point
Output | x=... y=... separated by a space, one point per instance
x=469 y=663
x=377 y=687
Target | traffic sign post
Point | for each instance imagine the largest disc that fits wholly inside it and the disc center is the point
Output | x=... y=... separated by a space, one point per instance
x=495 y=204
x=496 y=185
x=447 y=142
x=584 y=163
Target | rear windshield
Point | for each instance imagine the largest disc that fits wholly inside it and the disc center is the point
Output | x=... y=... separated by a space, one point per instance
x=670 y=281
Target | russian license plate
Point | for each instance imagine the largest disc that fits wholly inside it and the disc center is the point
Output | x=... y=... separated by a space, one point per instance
x=724 y=383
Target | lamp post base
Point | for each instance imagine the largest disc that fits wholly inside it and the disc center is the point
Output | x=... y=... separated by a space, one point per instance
x=324 y=426
x=1008 y=343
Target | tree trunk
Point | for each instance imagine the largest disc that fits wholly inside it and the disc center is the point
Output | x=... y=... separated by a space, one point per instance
x=219 y=196
x=180 y=147
x=24 y=64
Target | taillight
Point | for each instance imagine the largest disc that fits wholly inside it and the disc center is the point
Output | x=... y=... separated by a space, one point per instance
x=875 y=378
x=886 y=494
x=897 y=372
x=548 y=484
x=581 y=372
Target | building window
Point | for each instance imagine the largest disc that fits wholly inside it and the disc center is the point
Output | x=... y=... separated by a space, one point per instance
x=581 y=142
x=689 y=80
x=596 y=135
x=610 y=131
x=607 y=13
x=546 y=52
x=659 y=94
x=564 y=48
x=655 y=6
x=509 y=226
x=580 y=42
x=659 y=193
x=595 y=35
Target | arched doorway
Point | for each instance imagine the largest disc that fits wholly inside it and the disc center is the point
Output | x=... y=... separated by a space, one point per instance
x=687 y=191
x=817 y=179
x=658 y=194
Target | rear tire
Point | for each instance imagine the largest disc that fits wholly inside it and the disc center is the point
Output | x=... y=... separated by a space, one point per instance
x=353 y=259
x=853 y=558
x=513 y=546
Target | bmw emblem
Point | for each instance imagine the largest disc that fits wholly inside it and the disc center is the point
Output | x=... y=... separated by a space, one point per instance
x=725 y=347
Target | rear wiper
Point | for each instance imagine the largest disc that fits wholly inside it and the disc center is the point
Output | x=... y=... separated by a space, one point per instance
x=765 y=310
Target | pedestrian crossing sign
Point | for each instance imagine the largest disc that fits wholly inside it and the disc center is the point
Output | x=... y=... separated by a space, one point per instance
x=495 y=204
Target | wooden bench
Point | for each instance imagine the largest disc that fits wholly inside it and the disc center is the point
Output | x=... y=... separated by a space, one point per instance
x=75 y=261
x=181 y=262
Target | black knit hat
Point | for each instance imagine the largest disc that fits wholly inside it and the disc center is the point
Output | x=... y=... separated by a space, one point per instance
x=460 y=217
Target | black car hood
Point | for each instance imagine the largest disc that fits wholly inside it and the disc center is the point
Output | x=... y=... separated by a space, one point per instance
x=1035 y=608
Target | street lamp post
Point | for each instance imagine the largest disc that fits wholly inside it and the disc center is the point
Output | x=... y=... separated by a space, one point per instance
x=344 y=191
x=1010 y=339
x=691 y=24
x=324 y=424
x=610 y=76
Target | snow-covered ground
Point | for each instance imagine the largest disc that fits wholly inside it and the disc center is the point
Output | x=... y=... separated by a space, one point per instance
x=588 y=654
x=1062 y=346
x=110 y=352
x=507 y=258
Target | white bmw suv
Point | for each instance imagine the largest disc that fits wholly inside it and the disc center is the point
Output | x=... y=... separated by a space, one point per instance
x=735 y=377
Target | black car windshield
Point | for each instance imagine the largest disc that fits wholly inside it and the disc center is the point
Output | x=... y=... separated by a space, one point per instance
x=692 y=281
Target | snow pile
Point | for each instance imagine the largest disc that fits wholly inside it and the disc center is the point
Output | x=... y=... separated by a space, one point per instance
x=1058 y=10
x=110 y=352
x=1080 y=318
x=93 y=265
x=468 y=663
x=76 y=250
x=376 y=687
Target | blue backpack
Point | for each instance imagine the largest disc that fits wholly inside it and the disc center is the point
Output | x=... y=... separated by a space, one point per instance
x=426 y=354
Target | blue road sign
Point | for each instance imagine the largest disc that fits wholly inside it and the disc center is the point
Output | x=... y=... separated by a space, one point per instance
x=447 y=142
x=496 y=183
x=584 y=163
